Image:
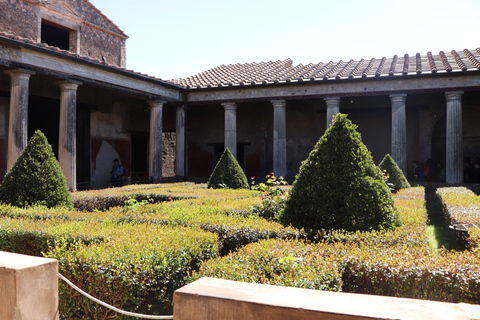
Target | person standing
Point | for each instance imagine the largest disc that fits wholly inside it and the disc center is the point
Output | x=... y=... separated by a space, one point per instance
x=117 y=173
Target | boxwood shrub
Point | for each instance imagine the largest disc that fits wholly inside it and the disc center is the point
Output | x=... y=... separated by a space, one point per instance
x=339 y=186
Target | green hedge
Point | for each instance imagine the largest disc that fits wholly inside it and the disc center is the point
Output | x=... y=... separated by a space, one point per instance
x=135 y=256
x=134 y=267
x=461 y=206
x=279 y=262
x=397 y=262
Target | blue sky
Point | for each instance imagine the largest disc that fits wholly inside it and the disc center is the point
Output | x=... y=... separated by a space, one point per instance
x=180 y=38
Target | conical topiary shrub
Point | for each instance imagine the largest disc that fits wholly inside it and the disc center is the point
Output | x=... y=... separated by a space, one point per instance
x=339 y=186
x=395 y=177
x=228 y=173
x=36 y=178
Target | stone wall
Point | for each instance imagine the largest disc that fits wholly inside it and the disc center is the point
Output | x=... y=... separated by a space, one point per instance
x=91 y=33
x=169 y=144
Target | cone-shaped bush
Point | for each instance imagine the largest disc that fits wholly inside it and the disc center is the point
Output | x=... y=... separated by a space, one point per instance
x=36 y=178
x=395 y=177
x=339 y=186
x=228 y=173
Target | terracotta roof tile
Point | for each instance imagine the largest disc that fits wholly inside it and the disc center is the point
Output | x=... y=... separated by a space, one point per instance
x=284 y=71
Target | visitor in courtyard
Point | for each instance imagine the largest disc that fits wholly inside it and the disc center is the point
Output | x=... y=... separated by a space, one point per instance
x=441 y=172
x=117 y=173
x=430 y=172
x=417 y=172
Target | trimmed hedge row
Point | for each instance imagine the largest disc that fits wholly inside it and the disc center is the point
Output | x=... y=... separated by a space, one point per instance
x=235 y=225
x=394 y=263
x=279 y=262
x=462 y=206
x=400 y=271
x=134 y=267
x=101 y=200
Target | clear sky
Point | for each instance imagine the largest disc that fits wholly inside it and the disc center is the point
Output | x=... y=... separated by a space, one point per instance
x=180 y=38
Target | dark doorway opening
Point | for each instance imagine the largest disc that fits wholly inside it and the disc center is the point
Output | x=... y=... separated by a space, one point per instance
x=55 y=35
x=83 y=148
x=44 y=115
x=139 y=154
x=220 y=148
x=439 y=140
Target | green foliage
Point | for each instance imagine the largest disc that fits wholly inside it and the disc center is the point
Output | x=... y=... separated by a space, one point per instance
x=36 y=178
x=395 y=177
x=275 y=195
x=228 y=173
x=135 y=256
x=339 y=186
x=278 y=262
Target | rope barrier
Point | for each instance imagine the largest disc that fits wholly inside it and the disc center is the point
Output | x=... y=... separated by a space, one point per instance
x=138 y=315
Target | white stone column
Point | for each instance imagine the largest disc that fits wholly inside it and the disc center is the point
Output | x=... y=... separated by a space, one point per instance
x=399 y=131
x=18 y=119
x=231 y=127
x=454 y=163
x=180 y=142
x=333 y=107
x=279 y=138
x=67 y=137
x=155 y=156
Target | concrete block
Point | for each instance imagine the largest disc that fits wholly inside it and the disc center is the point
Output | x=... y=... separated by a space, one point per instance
x=217 y=299
x=28 y=287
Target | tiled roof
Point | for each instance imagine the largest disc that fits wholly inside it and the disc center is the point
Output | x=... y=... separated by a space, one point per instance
x=25 y=41
x=285 y=71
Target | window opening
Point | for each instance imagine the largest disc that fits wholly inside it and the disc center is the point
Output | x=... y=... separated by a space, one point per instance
x=55 y=35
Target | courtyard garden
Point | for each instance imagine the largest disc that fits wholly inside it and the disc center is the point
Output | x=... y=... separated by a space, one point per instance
x=132 y=247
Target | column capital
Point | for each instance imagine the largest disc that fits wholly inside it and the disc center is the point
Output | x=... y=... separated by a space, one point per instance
x=332 y=100
x=279 y=103
x=69 y=84
x=454 y=95
x=398 y=97
x=156 y=103
x=229 y=105
x=19 y=73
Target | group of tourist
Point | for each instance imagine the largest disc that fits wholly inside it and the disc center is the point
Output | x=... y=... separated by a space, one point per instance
x=431 y=171
x=435 y=172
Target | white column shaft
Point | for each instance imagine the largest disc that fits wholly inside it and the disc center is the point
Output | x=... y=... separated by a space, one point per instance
x=399 y=131
x=333 y=107
x=454 y=163
x=180 y=142
x=231 y=127
x=155 y=156
x=67 y=156
x=18 y=120
x=279 y=138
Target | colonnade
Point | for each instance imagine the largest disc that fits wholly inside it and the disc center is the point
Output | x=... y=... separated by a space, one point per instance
x=454 y=161
x=18 y=122
x=18 y=130
x=155 y=159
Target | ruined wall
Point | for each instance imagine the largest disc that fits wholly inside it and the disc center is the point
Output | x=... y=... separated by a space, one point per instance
x=168 y=150
x=91 y=33
x=19 y=18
